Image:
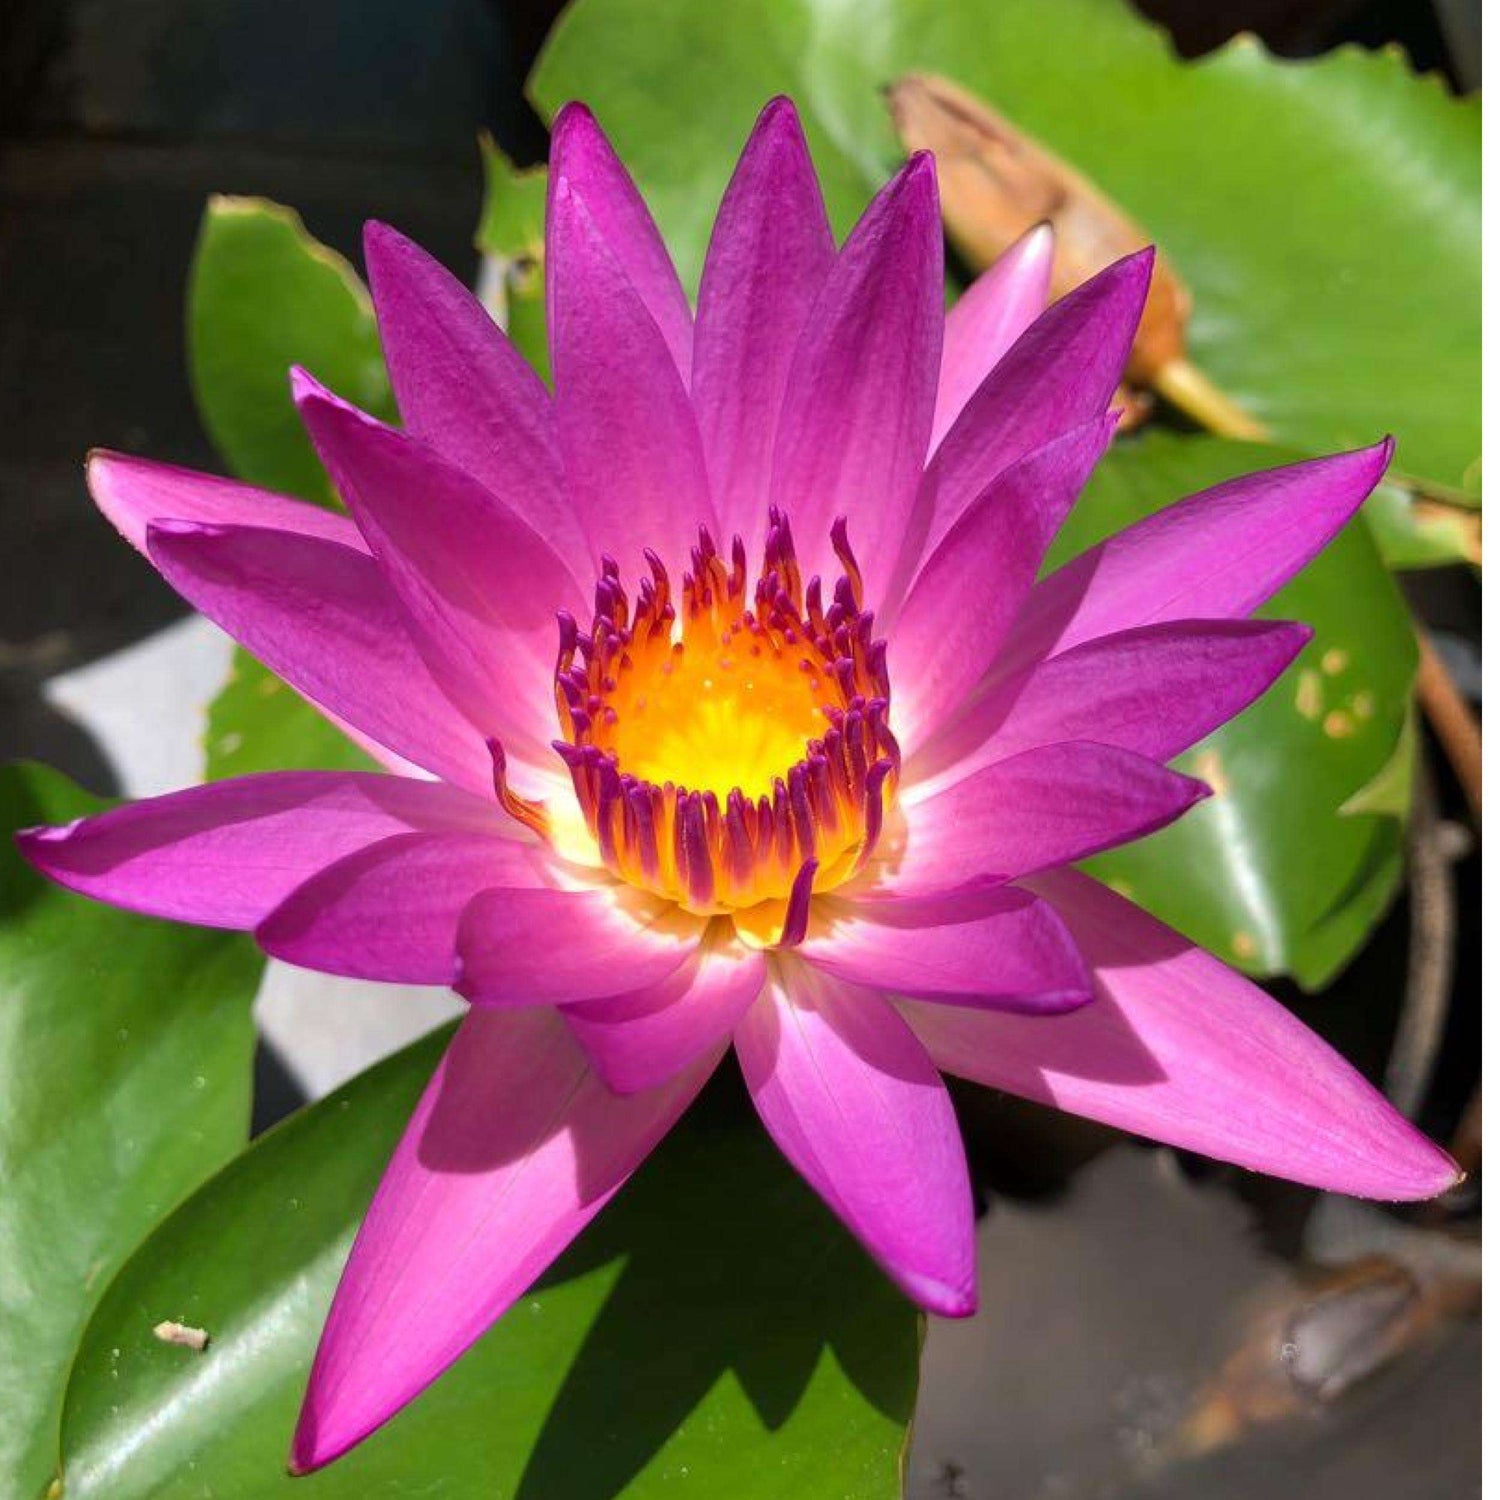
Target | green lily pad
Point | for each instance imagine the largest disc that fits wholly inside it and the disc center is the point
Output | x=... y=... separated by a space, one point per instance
x=264 y=296
x=511 y=238
x=124 y=1081
x=1413 y=531
x=1324 y=213
x=257 y=723
x=1288 y=867
x=714 y=1333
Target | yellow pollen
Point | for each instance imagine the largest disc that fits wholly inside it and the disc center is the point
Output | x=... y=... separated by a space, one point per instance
x=733 y=751
x=719 y=715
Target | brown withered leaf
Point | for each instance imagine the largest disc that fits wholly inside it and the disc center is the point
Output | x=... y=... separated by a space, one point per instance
x=997 y=182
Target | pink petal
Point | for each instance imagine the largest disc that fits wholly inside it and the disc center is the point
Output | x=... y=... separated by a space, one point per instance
x=770 y=252
x=987 y=319
x=479 y=587
x=134 y=492
x=513 y=1148
x=226 y=854
x=1179 y=1047
x=466 y=392
x=583 y=161
x=391 y=911
x=850 y=1097
x=630 y=443
x=1155 y=691
x=552 y=947
x=857 y=413
x=640 y=1040
x=319 y=615
x=1048 y=806
x=999 y=948
x=960 y=608
x=1061 y=371
x=1217 y=555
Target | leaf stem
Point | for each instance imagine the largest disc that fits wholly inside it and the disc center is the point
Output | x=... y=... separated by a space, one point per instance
x=1191 y=391
x=1452 y=720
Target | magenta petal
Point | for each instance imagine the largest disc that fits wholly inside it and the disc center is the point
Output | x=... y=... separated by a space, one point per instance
x=319 y=615
x=546 y=947
x=1155 y=691
x=987 y=319
x=513 y=1148
x=465 y=390
x=391 y=911
x=1217 y=555
x=479 y=587
x=770 y=251
x=1048 y=806
x=1061 y=371
x=134 y=492
x=630 y=444
x=640 y=1040
x=850 y=1097
x=583 y=161
x=999 y=948
x=857 y=413
x=960 y=607
x=1179 y=1047
x=226 y=854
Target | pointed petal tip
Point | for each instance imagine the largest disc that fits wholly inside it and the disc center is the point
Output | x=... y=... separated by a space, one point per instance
x=575 y=128
x=921 y=171
x=1041 y=237
x=946 y=1301
x=31 y=842
x=1426 y=1172
x=308 y=1454
x=377 y=236
x=781 y=109
x=306 y=387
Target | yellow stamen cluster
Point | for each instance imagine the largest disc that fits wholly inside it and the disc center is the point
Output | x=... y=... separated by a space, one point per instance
x=719 y=757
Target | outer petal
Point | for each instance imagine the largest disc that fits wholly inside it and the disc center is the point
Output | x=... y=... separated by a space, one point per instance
x=1179 y=1047
x=465 y=390
x=319 y=614
x=1060 y=372
x=1155 y=691
x=134 y=492
x=1048 y=806
x=544 y=947
x=391 y=911
x=770 y=252
x=850 y=1097
x=962 y=603
x=583 y=160
x=1217 y=555
x=1001 y=949
x=225 y=854
x=640 y=1040
x=858 y=408
x=989 y=317
x=479 y=587
x=513 y=1148
x=630 y=444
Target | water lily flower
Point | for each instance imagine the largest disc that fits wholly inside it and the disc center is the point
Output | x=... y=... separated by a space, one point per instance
x=811 y=792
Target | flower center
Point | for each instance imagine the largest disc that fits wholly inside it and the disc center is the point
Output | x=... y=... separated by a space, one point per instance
x=739 y=751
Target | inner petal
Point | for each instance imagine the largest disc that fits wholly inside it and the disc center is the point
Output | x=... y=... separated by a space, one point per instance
x=735 y=750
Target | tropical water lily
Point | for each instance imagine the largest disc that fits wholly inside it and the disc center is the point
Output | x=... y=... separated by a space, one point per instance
x=811 y=792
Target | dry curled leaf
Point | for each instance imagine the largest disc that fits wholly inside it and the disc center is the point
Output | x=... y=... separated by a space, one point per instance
x=996 y=183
